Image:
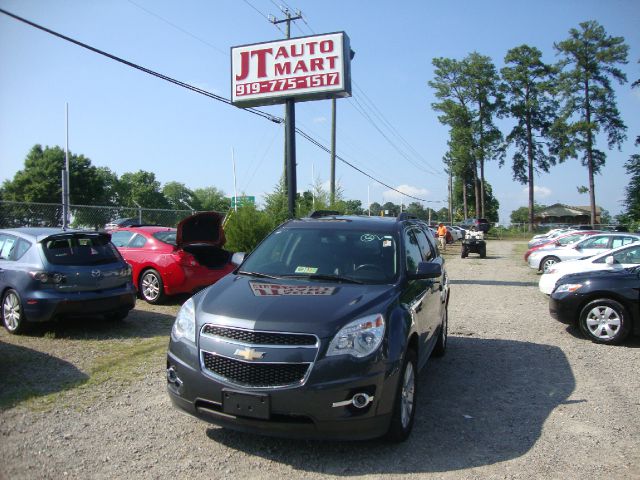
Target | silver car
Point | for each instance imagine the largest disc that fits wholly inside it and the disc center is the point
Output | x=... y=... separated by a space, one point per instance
x=545 y=257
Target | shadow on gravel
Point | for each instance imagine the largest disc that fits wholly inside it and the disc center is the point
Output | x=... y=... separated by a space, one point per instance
x=138 y=324
x=632 y=341
x=494 y=283
x=27 y=373
x=485 y=402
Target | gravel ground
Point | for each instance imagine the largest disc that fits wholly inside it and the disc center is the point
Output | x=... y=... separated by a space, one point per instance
x=518 y=395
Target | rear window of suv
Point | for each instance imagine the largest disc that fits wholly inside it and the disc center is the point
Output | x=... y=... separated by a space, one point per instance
x=79 y=250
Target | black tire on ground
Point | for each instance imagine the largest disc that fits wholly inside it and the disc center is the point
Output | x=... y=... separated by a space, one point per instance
x=117 y=316
x=464 y=252
x=404 y=406
x=151 y=286
x=605 y=321
x=441 y=344
x=483 y=252
x=12 y=313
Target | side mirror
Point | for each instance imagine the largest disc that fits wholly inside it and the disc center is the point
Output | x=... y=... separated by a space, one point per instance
x=426 y=270
x=237 y=258
x=609 y=260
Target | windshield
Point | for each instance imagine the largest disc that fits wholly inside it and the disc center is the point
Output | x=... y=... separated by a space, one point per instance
x=364 y=256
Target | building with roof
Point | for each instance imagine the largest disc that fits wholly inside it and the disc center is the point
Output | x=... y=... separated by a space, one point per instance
x=565 y=214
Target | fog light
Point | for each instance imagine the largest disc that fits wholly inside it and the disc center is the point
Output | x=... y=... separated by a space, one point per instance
x=172 y=377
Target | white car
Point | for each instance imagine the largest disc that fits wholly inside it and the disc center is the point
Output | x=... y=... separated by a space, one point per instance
x=545 y=237
x=616 y=259
x=545 y=257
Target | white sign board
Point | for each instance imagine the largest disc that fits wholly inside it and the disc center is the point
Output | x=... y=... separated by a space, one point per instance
x=303 y=68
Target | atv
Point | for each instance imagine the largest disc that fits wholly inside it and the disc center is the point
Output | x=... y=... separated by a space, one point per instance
x=473 y=242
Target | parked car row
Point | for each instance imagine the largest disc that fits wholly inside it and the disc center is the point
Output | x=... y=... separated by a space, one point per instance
x=47 y=273
x=593 y=281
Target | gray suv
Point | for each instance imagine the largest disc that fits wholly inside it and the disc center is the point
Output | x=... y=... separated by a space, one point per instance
x=320 y=332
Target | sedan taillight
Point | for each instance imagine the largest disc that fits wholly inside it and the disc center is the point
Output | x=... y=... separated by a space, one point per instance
x=184 y=258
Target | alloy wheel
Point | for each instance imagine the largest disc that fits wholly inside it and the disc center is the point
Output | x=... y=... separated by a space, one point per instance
x=407 y=395
x=11 y=311
x=603 y=322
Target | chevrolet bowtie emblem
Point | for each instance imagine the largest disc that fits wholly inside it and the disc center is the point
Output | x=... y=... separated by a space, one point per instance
x=249 y=354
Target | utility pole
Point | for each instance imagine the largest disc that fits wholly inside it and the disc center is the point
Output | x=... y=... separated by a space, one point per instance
x=332 y=186
x=65 y=175
x=290 y=126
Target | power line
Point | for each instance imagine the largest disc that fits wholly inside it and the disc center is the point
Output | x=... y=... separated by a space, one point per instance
x=263 y=15
x=177 y=27
x=213 y=96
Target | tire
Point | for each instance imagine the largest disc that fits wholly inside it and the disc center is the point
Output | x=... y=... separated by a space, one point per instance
x=404 y=406
x=547 y=262
x=441 y=344
x=151 y=286
x=483 y=252
x=12 y=313
x=605 y=321
x=117 y=316
x=464 y=252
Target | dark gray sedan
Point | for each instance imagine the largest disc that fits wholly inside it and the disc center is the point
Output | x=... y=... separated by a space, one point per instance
x=50 y=272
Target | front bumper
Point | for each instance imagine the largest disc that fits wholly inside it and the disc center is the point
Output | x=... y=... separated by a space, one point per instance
x=564 y=307
x=305 y=411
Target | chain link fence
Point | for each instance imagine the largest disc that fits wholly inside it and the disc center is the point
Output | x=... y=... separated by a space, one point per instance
x=32 y=214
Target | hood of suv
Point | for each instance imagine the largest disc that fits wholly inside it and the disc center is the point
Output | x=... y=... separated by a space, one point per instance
x=201 y=229
x=289 y=305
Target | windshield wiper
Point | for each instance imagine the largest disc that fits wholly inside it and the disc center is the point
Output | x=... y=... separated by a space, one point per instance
x=335 y=278
x=257 y=274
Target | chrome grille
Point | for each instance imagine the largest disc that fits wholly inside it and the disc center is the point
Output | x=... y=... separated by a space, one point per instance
x=252 y=337
x=255 y=374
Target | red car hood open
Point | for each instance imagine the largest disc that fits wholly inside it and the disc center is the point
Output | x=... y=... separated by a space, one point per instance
x=203 y=229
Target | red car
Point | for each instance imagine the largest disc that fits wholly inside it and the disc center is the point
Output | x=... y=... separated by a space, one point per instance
x=168 y=261
x=564 y=239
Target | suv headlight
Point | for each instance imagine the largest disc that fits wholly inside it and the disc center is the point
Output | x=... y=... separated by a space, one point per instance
x=185 y=324
x=568 y=287
x=358 y=338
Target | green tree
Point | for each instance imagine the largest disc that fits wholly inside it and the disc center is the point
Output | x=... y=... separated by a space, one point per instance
x=589 y=62
x=521 y=215
x=375 y=208
x=210 y=199
x=415 y=208
x=392 y=209
x=484 y=84
x=178 y=196
x=246 y=228
x=528 y=89
x=40 y=179
x=276 y=204
x=632 y=191
x=141 y=188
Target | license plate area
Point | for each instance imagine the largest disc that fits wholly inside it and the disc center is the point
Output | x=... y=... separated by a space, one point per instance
x=252 y=405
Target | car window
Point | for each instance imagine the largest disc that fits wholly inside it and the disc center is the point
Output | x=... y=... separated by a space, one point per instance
x=7 y=246
x=121 y=238
x=20 y=249
x=79 y=249
x=629 y=255
x=168 y=236
x=425 y=247
x=138 y=241
x=599 y=242
x=412 y=251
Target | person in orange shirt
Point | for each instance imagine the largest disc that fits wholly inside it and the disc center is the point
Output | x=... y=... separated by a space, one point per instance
x=442 y=236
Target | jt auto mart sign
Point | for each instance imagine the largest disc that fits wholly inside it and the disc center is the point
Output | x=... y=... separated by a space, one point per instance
x=303 y=68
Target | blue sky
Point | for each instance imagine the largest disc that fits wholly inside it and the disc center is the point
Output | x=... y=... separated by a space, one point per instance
x=126 y=120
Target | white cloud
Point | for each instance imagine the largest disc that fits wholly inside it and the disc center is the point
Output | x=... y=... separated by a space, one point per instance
x=540 y=192
x=320 y=120
x=395 y=197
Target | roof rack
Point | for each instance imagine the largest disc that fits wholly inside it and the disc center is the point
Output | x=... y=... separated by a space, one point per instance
x=323 y=213
x=406 y=216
